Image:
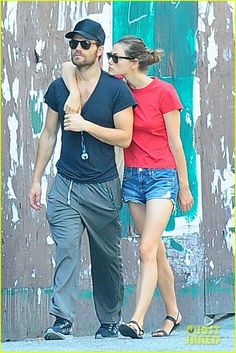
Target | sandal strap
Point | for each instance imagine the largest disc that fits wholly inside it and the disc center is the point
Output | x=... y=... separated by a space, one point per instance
x=160 y=331
x=141 y=331
x=171 y=318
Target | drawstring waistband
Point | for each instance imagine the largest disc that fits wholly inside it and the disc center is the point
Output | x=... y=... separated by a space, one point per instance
x=69 y=193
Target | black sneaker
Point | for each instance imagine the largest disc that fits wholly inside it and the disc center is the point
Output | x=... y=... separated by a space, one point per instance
x=107 y=331
x=61 y=329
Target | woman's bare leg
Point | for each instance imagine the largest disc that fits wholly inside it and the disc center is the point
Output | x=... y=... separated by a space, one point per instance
x=156 y=218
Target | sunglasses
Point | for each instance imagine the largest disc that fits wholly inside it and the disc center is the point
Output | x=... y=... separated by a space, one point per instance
x=115 y=58
x=85 y=44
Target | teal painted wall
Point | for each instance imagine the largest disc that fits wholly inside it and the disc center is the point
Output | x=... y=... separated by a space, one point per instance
x=172 y=27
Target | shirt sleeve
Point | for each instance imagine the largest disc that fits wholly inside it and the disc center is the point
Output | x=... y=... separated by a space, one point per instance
x=50 y=97
x=169 y=100
x=123 y=97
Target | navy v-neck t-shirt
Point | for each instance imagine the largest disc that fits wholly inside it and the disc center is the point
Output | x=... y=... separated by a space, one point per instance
x=110 y=96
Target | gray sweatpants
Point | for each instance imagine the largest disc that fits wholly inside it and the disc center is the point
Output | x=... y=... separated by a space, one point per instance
x=71 y=208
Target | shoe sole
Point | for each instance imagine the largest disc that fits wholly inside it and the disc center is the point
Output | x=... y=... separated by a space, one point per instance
x=52 y=335
x=99 y=337
x=127 y=331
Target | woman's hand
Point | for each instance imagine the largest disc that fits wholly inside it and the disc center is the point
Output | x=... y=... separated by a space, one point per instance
x=74 y=122
x=73 y=104
x=185 y=199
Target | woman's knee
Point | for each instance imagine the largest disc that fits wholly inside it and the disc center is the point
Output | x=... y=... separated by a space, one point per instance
x=147 y=252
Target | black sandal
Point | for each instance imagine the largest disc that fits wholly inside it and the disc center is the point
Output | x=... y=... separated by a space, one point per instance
x=131 y=332
x=165 y=334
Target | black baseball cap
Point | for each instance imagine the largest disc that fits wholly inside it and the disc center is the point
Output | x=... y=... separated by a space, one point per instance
x=89 y=29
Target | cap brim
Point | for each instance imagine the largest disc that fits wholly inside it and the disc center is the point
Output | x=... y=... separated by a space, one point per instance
x=82 y=33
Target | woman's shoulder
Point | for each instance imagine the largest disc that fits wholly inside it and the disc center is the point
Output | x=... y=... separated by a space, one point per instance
x=161 y=82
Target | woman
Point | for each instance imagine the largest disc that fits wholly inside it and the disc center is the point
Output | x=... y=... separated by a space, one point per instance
x=155 y=175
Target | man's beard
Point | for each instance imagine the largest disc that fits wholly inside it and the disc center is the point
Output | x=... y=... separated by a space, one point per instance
x=86 y=63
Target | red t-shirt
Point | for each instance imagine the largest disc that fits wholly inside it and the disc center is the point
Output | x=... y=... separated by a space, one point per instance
x=149 y=147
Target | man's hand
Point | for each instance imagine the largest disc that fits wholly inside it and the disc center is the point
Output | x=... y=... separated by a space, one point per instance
x=35 y=196
x=73 y=104
x=74 y=122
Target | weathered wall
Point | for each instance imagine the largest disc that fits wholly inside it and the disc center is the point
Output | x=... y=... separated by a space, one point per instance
x=215 y=128
x=198 y=40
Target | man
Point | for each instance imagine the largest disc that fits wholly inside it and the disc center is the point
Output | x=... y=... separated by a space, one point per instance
x=86 y=190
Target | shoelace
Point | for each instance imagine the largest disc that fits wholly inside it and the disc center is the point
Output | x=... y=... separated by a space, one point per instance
x=61 y=322
x=112 y=327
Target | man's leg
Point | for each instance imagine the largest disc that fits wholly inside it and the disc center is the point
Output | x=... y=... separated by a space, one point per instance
x=67 y=229
x=100 y=206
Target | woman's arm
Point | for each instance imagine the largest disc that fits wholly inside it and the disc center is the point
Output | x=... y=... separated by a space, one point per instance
x=73 y=102
x=172 y=121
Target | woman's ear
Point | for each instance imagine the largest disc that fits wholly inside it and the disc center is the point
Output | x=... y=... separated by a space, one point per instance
x=134 y=64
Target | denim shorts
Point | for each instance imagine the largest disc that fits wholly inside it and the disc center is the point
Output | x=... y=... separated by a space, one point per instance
x=143 y=184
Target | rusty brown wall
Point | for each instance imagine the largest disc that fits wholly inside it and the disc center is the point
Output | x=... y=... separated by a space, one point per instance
x=33 y=50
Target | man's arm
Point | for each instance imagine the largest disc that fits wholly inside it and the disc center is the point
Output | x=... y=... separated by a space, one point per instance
x=46 y=147
x=120 y=136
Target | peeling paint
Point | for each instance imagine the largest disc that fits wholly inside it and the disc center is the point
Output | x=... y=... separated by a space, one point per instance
x=10 y=22
x=212 y=53
x=49 y=240
x=39 y=294
x=6 y=86
x=15 y=89
x=13 y=127
x=36 y=111
x=10 y=192
x=33 y=274
x=15 y=217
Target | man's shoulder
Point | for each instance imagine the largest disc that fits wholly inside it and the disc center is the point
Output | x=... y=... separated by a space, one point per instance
x=58 y=82
x=112 y=79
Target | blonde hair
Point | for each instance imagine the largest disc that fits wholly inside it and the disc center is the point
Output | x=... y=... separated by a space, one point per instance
x=135 y=48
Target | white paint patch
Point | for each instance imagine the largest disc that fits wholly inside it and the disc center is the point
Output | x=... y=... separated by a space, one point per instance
x=230 y=234
x=13 y=127
x=211 y=263
x=209 y=124
x=49 y=240
x=10 y=192
x=212 y=53
x=9 y=54
x=210 y=16
x=15 y=217
x=232 y=9
x=33 y=274
x=15 y=89
x=10 y=22
x=27 y=61
x=44 y=186
x=39 y=294
x=227 y=55
x=202 y=8
x=53 y=262
x=188 y=119
x=21 y=160
x=40 y=44
x=15 y=283
x=61 y=21
x=6 y=86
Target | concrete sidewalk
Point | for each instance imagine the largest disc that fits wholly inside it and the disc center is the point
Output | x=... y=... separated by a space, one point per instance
x=216 y=338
